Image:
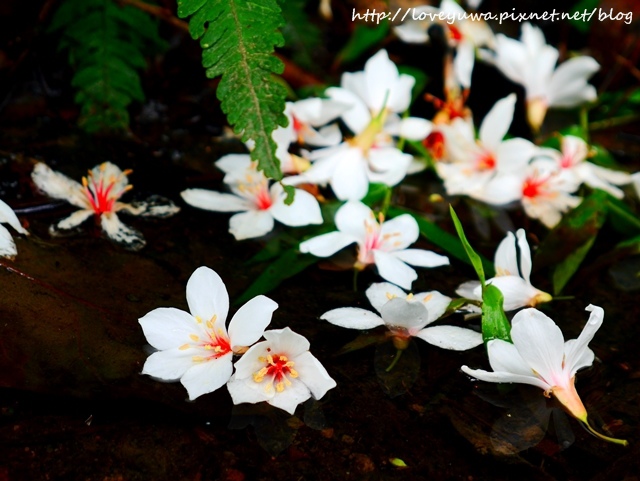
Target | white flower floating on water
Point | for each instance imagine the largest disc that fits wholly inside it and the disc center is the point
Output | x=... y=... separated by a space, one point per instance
x=539 y=356
x=259 y=205
x=381 y=243
x=98 y=196
x=280 y=371
x=513 y=269
x=196 y=346
x=7 y=244
x=406 y=316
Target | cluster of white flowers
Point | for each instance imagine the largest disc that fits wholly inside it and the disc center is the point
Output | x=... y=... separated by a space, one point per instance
x=197 y=348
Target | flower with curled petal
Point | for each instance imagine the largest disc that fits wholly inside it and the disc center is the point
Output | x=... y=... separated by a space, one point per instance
x=381 y=243
x=540 y=356
x=7 y=244
x=406 y=316
x=99 y=195
x=280 y=371
x=196 y=347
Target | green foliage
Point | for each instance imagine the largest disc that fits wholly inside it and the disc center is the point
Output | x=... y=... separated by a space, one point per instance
x=300 y=34
x=494 y=321
x=106 y=45
x=476 y=262
x=362 y=39
x=237 y=39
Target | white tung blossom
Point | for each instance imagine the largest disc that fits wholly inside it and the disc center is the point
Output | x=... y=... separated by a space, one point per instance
x=7 y=244
x=381 y=243
x=99 y=196
x=406 y=316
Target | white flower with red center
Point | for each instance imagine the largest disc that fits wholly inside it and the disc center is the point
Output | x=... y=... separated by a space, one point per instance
x=7 y=244
x=573 y=163
x=196 y=347
x=99 y=196
x=531 y=62
x=259 y=205
x=488 y=168
x=280 y=371
x=406 y=316
x=546 y=192
x=464 y=34
x=381 y=243
x=513 y=270
x=540 y=356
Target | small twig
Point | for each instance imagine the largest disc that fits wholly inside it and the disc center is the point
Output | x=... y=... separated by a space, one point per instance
x=160 y=12
x=614 y=122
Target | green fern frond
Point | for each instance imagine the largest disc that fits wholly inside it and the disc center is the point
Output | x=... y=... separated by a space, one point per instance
x=238 y=39
x=106 y=45
x=301 y=35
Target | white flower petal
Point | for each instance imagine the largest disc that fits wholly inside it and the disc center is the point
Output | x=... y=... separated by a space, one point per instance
x=497 y=122
x=207 y=376
x=326 y=245
x=451 y=337
x=399 y=233
x=357 y=117
x=169 y=328
x=540 y=343
x=286 y=342
x=233 y=163
x=251 y=224
x=215 y=201
x=568 y=85
x=72 y=221
x=246 y=390
x=7 y=244
x=352 y=219
x=207 y=295
x=399 y=312
x=380 y=293
x=503 y=377
x=170 y=364
x=525 y=255
x=59 y=186
x=463 y=63
x=248 y=324
x=353 y=318
x=7 y=215
x=506 y=258
x=504 y=357
x=470 y=290
x=394 y=270
x=304 y=210
x=516 y=291
x=435 y=302
x=349 y=178
x=313 y=374
x=293 y=395
x=421 y=258
x=119 y=233
x=577 y=354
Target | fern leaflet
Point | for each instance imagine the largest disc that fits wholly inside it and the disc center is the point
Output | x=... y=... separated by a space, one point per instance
x=237 y=39
x=105 y=44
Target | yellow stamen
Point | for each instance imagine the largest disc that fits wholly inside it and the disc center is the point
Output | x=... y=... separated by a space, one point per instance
x=193 y=337
x=197 y=359
x=184 y=347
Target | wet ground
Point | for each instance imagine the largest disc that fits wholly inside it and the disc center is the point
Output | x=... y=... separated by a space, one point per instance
x=74 y=406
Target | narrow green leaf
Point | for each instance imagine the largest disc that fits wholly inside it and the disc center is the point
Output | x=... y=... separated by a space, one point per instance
x=494 y=321
x=565 y=269
x=362 y=39
x=440 y=237
x=476 y=262
x=290 y=263
x=574 y=230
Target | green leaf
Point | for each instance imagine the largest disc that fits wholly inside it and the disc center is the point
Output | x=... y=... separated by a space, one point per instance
x=565 y=269
x=583 y=24
x=106 y=44
x=575 y=232
x=449 y=243
x=291 y=193
x=300 y=34
x=362 y=39
x=622 y=218
x=494 y=321
x=238 y=39
x=476 y=262
x=602 y=157
x=290 y=263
